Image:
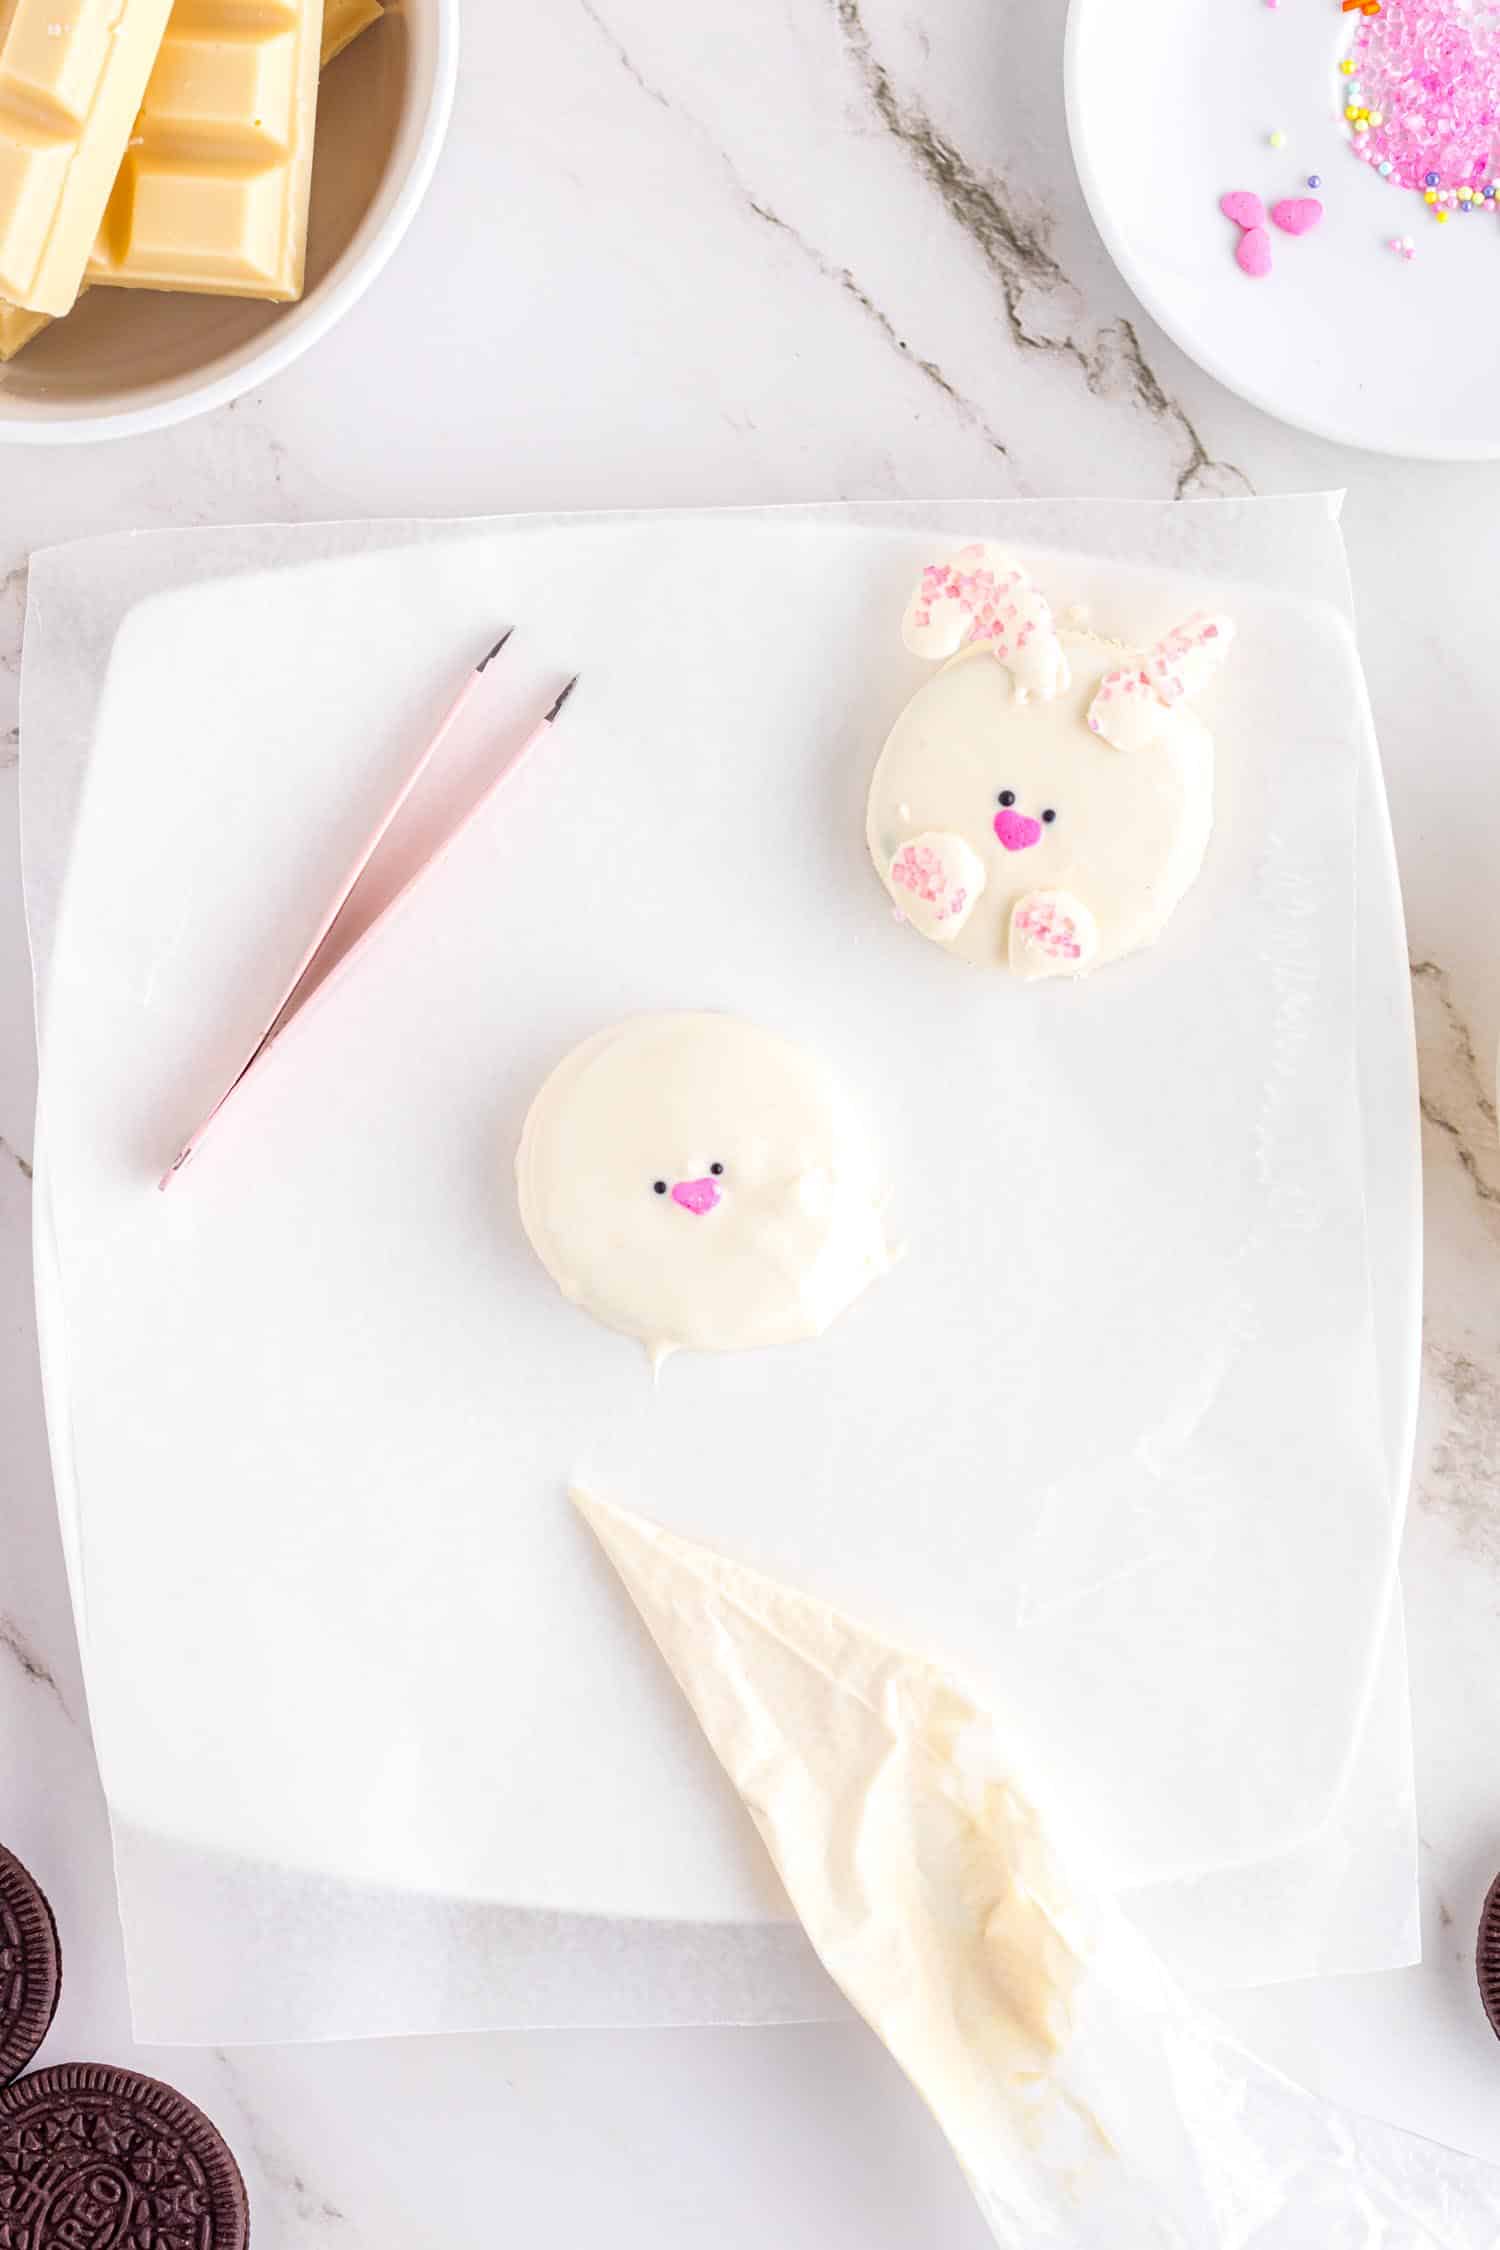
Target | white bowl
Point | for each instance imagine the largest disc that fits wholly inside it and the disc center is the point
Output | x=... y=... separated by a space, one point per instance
x=128 y=360
x=1169 y=103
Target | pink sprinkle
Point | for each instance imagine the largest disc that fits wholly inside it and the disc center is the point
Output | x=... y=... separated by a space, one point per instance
x=1244 y=207
x=1297 y=214
x=1048 y=927
x=1430 y=69
x=1253 y=255
x=1017 y=831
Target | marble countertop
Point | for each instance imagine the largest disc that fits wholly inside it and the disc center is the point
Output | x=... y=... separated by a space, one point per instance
x=815 y=249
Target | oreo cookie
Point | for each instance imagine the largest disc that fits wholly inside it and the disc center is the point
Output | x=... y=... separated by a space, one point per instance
x=30 y=1966
x=1487 y=1956
x=92 y=2157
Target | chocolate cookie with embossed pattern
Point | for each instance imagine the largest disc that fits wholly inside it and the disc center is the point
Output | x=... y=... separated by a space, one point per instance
x=30 y=1965
x=94 y=2158
x=1487 y=1956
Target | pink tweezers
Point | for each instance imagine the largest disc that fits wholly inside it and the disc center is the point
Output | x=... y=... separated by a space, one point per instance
x=295 y=1004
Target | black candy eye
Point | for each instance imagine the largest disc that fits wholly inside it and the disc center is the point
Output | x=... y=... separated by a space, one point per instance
x=1007 y=796
x=1049 y=814
x=716 y=1169
x=658 y=1187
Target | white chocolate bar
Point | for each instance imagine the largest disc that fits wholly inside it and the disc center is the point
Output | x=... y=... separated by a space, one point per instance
x=72 y=74
x=212 y=193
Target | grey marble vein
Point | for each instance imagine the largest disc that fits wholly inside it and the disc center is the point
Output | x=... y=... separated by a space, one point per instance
x=23 y=1654
x=1456 y=1097
x=840 y=275
x=844 y=279
x=278 y=2173
x=21 y=1163
x=624 y=57
x=1459 y=1481
x=1044 y=310
x=1458 y=1477
x=12 y=608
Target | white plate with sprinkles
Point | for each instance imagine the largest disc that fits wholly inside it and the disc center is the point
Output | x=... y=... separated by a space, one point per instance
x=1352 y=285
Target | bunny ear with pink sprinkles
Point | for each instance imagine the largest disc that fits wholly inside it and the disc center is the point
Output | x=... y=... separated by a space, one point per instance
x=981 y=596
x=1132 y=702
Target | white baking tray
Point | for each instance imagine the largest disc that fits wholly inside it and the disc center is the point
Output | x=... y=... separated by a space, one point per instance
x=1121 y=1436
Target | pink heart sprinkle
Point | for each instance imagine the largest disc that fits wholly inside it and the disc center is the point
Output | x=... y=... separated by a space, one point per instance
x=1244 y=207
x=1297 y=214
x=1253 y=256
x=1016 y=831
x=697 y=1196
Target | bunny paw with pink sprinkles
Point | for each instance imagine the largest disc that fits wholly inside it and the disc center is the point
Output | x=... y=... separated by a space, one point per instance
x=1052 y=934
x=937 y=879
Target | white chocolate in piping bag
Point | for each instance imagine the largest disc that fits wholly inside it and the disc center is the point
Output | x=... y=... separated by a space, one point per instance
x=1092 y=2105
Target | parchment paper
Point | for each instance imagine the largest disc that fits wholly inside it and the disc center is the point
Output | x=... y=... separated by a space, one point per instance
x=312 y=1414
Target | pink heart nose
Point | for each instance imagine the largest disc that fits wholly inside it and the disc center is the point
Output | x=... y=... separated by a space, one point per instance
x=696 y=1195
x=1015 y=830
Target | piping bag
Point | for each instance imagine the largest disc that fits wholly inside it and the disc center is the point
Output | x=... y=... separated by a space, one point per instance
x=1090 y=2102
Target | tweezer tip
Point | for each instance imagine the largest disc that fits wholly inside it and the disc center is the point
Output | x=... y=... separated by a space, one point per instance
x=495 y=651
x=562 y=699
